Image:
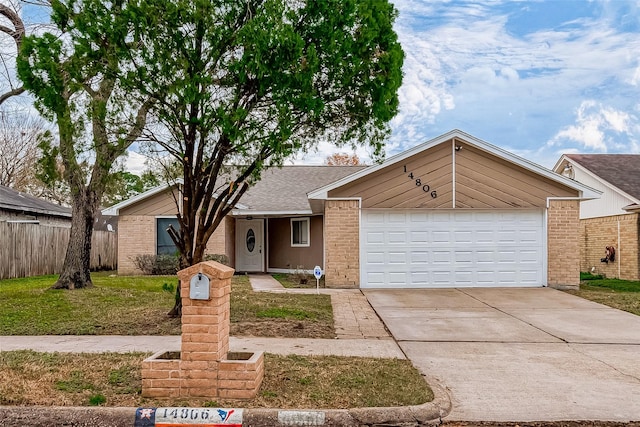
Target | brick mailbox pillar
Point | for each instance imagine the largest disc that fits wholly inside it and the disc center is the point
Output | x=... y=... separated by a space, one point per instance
x=204 y=367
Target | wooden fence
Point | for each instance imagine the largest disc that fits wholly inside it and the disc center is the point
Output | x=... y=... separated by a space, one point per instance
x=32 y=250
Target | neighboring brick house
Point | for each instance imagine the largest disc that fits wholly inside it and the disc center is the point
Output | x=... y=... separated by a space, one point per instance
x=454 y=211
x=612 y=220
x=16 y=206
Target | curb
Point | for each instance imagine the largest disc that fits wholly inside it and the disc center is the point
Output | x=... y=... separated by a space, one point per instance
x=425 y=414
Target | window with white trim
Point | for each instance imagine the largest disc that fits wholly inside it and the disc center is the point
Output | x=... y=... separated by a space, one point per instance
x=299 y=232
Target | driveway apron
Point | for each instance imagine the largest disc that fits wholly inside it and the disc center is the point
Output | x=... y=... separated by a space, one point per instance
x=524 y=354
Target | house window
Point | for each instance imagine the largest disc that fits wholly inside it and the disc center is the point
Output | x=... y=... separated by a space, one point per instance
x=164 y=244
x=299 y=231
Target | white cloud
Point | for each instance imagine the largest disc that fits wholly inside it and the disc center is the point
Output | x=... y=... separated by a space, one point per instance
x=465 y=68
x=597 y=128
x=135 y=163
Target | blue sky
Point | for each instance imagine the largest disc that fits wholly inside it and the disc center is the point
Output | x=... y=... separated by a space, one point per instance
x=537 y=78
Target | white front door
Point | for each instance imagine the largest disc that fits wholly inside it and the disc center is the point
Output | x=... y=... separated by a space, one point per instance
x=249 y=245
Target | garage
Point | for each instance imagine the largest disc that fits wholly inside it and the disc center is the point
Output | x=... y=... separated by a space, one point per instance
x=453 y=212
x=452 y=248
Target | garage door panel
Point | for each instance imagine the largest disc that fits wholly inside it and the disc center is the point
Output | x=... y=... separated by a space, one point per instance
x=452 y=249
x=398 y=258
x=373 y=237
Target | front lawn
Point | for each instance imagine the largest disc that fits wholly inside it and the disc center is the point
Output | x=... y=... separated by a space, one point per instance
x=616 y=293
x=30 y=378
x=138 y=305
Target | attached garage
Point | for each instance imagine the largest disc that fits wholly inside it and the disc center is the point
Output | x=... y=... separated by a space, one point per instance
x=452 y=248
x=452 y=212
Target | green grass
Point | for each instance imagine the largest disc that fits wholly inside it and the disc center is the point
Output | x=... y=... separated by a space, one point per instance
x=616 y=293
x=292 y=281
x=110 y=379
x=585 y=275
x=117 y=305
x=247 y=305
x=138 y=305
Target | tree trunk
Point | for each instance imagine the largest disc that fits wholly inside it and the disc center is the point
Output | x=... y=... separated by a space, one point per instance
x=176 y=311
x=76 y=268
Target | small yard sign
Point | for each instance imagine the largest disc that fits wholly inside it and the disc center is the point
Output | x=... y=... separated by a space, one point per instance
x=317 y=273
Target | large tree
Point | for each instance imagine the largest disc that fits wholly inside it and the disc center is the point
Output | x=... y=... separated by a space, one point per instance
x=249 y=83
x=74 y=76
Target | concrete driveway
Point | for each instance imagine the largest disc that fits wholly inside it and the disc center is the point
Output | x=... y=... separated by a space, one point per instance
x=526 y=354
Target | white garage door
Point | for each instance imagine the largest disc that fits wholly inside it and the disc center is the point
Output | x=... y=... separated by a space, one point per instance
x=453 y=248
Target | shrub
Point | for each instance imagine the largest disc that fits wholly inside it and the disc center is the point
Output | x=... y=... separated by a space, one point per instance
x=165 y=265
x=221 y=258
x=157 y=264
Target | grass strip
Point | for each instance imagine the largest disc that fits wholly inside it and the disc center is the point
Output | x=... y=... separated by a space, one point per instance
x=293 y=382
x=616 y=293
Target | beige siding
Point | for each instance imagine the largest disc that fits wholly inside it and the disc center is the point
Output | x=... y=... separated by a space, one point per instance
x=342 y=253
x=598 y=233
x=397 y=186
x=563 y=244
x=485 y=181
x=283 y=256
x=156 y=205
x=482 y=181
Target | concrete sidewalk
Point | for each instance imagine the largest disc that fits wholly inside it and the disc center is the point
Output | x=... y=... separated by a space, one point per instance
x=359 y=332
x=147 y=343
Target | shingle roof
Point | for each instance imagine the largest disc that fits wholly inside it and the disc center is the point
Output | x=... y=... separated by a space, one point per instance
x=619 y=170
x=285 y=189
x=13 y=200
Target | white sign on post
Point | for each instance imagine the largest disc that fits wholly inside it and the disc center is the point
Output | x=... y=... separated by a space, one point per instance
x=317 y=273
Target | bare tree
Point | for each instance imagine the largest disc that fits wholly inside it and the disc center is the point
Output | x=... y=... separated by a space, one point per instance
x=12 y=32
x=343 y=159
x=19 y=135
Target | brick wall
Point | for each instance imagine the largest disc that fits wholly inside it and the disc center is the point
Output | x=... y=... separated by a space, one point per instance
x=217 y=244
x=136 y=236
x=598 y=233
x=563 y=244
x=342 y=243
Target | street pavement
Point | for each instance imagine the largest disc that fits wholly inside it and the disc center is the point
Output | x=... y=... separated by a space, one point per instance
x=526 y=354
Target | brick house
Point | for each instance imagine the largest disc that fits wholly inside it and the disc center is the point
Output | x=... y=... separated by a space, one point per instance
x=454 y=211
x=612 y=220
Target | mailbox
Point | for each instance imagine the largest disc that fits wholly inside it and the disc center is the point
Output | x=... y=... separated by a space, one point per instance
x=199 y=287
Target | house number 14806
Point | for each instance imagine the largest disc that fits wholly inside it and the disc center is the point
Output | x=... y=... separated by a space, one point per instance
x=425 y=187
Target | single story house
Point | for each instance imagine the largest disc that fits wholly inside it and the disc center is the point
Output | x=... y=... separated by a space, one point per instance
x=454 y=211
x=614 y=219
x=18 y=207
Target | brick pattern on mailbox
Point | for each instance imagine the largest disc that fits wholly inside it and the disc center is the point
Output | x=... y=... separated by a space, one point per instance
x=203 y=369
